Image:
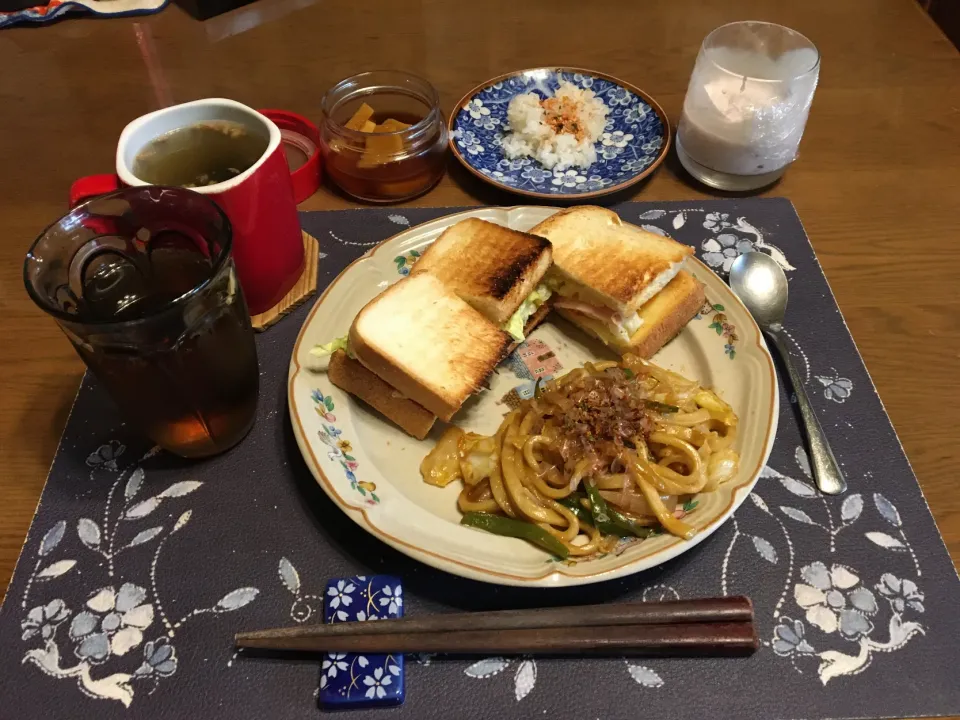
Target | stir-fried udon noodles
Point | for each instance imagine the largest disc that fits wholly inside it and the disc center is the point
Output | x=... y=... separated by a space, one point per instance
x=604 y=452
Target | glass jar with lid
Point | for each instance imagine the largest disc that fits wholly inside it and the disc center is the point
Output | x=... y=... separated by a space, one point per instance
x=383 y=136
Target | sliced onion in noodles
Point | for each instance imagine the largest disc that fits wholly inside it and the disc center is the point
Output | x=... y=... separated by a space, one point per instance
x=635 y=503
x=721 y=467
x=690 y=419
x=477 y=498
x=441 y=466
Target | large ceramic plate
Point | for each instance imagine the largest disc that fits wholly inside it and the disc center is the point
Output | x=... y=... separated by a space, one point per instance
x=633 y=144
x=369 y=467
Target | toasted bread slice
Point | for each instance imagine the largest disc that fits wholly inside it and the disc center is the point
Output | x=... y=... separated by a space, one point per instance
x=354 y=378
x=491 y=267
x=663 y=317
x=414 y=419
x=604 y=261
x=426 y=342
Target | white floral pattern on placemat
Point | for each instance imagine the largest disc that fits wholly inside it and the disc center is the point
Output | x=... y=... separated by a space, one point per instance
x=525 y=675
x=838 y=606
x=835 y=388
x=732 y=238
x=728 y=238
x=105 y=634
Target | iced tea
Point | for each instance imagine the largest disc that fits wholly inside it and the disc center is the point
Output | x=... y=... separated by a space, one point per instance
x=143 y=284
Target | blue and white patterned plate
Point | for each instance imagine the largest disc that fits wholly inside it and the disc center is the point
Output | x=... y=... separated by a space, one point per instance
x=633 y=144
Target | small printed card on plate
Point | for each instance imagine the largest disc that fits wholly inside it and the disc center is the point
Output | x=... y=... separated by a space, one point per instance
x=362 y=680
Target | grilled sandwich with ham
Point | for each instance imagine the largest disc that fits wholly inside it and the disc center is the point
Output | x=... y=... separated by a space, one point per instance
x=618 y=282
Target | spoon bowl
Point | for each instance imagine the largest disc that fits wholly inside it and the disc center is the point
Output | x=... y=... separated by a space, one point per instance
x=762 y=285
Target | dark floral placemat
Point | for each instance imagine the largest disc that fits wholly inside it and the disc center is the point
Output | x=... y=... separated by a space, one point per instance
x=139 y=567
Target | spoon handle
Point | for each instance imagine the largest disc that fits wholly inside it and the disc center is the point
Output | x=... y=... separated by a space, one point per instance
x=826 y=471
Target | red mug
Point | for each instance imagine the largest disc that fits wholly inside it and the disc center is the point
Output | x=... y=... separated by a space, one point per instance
x=267 y=244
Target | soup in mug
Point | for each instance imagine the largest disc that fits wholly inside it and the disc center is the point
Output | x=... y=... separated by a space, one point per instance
x=199 y=155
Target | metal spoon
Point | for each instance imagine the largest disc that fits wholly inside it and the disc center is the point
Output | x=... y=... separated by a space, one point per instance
x=761 y=284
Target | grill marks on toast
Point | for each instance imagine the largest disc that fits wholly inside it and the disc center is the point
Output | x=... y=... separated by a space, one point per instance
x=505 y=278
x=615 y=261
x=489 y=266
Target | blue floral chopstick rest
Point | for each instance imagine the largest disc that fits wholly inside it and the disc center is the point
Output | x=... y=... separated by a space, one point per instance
x=352 y=680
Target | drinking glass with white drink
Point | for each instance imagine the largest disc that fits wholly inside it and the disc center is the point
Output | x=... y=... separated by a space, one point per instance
x=747 y=104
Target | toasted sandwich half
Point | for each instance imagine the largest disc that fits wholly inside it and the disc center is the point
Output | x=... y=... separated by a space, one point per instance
x=662 y=318
x=496 y=270
x=432 y=347
x=350 y=375
x=605 y=271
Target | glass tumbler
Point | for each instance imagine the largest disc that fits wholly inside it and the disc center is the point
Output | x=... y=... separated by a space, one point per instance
x=747 y=104
x=143 y=284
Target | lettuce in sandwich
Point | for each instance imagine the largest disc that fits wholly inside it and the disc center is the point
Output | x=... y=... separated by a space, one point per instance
x=514 y=326
x=340 y=343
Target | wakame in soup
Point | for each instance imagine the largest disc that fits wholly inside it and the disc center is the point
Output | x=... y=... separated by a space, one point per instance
x=198 y=155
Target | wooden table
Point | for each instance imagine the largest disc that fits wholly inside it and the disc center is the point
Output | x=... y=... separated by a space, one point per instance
x=877 y=183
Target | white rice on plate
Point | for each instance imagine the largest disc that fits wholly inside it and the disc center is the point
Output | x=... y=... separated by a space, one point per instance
x=558 y=132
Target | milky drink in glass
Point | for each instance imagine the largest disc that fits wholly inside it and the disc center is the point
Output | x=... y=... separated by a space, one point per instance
x=747 y=105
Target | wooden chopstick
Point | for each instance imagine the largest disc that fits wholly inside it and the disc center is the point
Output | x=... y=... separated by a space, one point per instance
x=713 y=625
x=692 y=639
x=725 y=609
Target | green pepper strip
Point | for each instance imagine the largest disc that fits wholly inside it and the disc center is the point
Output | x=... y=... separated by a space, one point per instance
x=515 y=528
x=661 y=407
x=574 y=503
x=537 y=392
x=608 y=520
x=641 y=531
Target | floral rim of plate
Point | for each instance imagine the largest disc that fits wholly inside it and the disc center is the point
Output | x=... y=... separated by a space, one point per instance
x=665 y=136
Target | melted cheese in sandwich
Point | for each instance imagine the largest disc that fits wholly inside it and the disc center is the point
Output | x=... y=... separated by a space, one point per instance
x=616 y=324
x=619 y=326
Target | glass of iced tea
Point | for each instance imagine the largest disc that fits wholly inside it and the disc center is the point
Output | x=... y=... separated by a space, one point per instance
x=143 y=284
